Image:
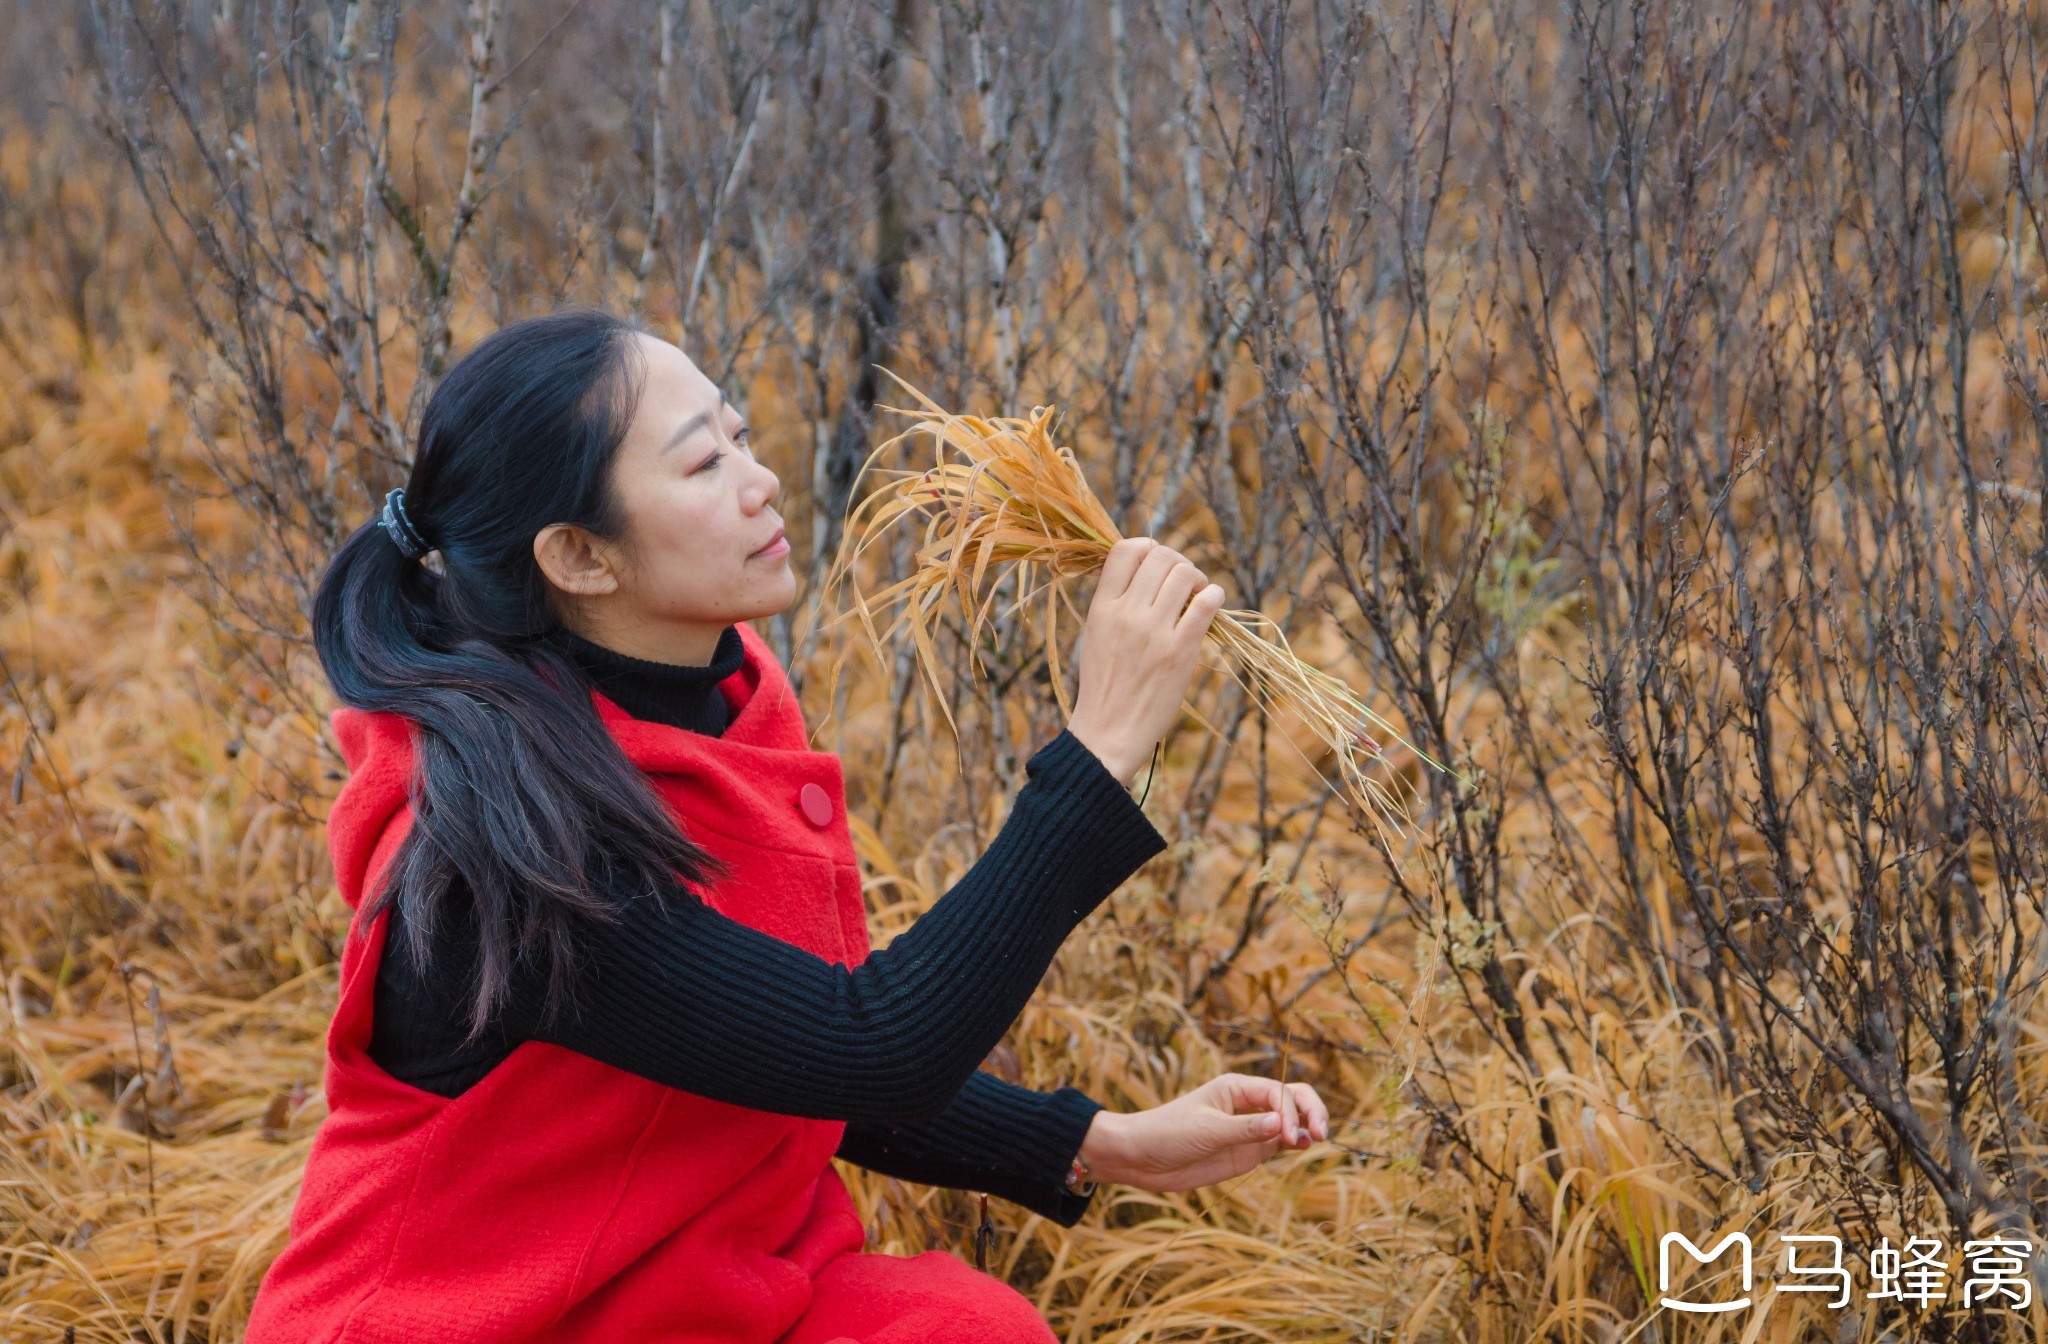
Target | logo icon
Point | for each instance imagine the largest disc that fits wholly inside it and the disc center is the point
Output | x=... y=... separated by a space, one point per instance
x=1738 y=1239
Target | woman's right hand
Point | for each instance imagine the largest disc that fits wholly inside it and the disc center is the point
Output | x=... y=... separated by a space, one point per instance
x=1138 y=651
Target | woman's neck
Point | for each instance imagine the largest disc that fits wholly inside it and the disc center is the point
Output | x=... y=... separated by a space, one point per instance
x=681 y=695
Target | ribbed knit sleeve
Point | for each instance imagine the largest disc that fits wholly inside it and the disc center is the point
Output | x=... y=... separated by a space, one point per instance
x=994 y=1137
x=692 y=998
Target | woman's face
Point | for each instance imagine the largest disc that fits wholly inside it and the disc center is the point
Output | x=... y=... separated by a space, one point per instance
x=696 y=553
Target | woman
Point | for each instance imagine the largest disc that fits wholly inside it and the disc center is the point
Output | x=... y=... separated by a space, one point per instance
x=632 y=1015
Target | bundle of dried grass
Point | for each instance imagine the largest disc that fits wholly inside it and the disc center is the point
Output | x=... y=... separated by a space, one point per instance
x=1015 y=499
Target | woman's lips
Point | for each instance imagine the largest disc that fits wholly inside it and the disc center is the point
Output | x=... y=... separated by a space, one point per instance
x=779 y=546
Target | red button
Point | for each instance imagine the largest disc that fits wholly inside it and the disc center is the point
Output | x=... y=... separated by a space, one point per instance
x=817 y=804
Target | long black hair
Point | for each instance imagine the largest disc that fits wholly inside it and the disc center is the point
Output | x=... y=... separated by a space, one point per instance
x=520 y=790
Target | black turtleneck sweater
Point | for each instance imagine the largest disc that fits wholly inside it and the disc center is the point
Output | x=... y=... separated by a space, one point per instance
x=686 y=996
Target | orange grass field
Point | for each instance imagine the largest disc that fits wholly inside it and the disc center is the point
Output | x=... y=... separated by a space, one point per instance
x=163 y=890
x=169 y=929
x=145 y=836
x=152 y=830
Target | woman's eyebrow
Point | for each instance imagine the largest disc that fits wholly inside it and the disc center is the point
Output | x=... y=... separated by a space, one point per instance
x=691 y=424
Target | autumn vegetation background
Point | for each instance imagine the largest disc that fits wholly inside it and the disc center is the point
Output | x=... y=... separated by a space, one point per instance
x=1642 y=403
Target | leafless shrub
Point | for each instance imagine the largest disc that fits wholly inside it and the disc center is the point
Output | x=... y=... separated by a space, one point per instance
x=1636 y=396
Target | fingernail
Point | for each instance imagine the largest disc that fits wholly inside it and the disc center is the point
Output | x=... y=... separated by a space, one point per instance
x=1270 y=1125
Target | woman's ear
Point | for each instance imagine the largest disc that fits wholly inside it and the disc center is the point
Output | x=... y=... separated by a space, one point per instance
x=576 y=561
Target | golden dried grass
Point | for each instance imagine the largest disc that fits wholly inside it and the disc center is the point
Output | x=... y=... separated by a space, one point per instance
x=163 y=941
x=1017 y=500
x=140 y=1201
x=147 y=1172
x=119 y=1227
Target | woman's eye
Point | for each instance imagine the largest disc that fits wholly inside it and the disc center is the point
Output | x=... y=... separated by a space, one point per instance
x=710 y=461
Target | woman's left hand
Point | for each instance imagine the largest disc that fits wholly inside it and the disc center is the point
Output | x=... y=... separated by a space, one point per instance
x=1222 y=1129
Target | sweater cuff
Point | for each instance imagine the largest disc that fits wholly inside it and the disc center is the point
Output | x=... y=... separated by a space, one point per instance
x=1040 y=1158
x=995 y=1137
x=1069 y=1113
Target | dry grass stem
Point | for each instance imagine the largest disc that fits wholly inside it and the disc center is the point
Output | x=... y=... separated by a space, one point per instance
x=1012 y=498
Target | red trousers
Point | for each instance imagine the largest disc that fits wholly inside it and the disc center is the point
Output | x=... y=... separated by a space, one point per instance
x=918 y=1299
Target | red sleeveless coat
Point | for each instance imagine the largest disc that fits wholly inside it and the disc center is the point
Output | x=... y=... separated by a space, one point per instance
x=562 y=1199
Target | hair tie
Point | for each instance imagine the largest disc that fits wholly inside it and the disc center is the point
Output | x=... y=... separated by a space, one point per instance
x=399 y=527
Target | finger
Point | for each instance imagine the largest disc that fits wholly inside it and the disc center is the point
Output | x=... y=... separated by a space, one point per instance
x=1250 y=1093
x=1317 y=1115
x=1153 y=567
x=1201 y=611
x=1247 y=1092
x=1304 y=1121
x=1122 y=564
x=1259 y=1128
x=1181 y=583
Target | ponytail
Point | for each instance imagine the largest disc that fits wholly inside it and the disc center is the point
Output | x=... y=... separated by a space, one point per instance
x=520 y=790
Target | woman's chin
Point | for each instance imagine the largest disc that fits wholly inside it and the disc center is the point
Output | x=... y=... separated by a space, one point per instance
x=770 y=596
